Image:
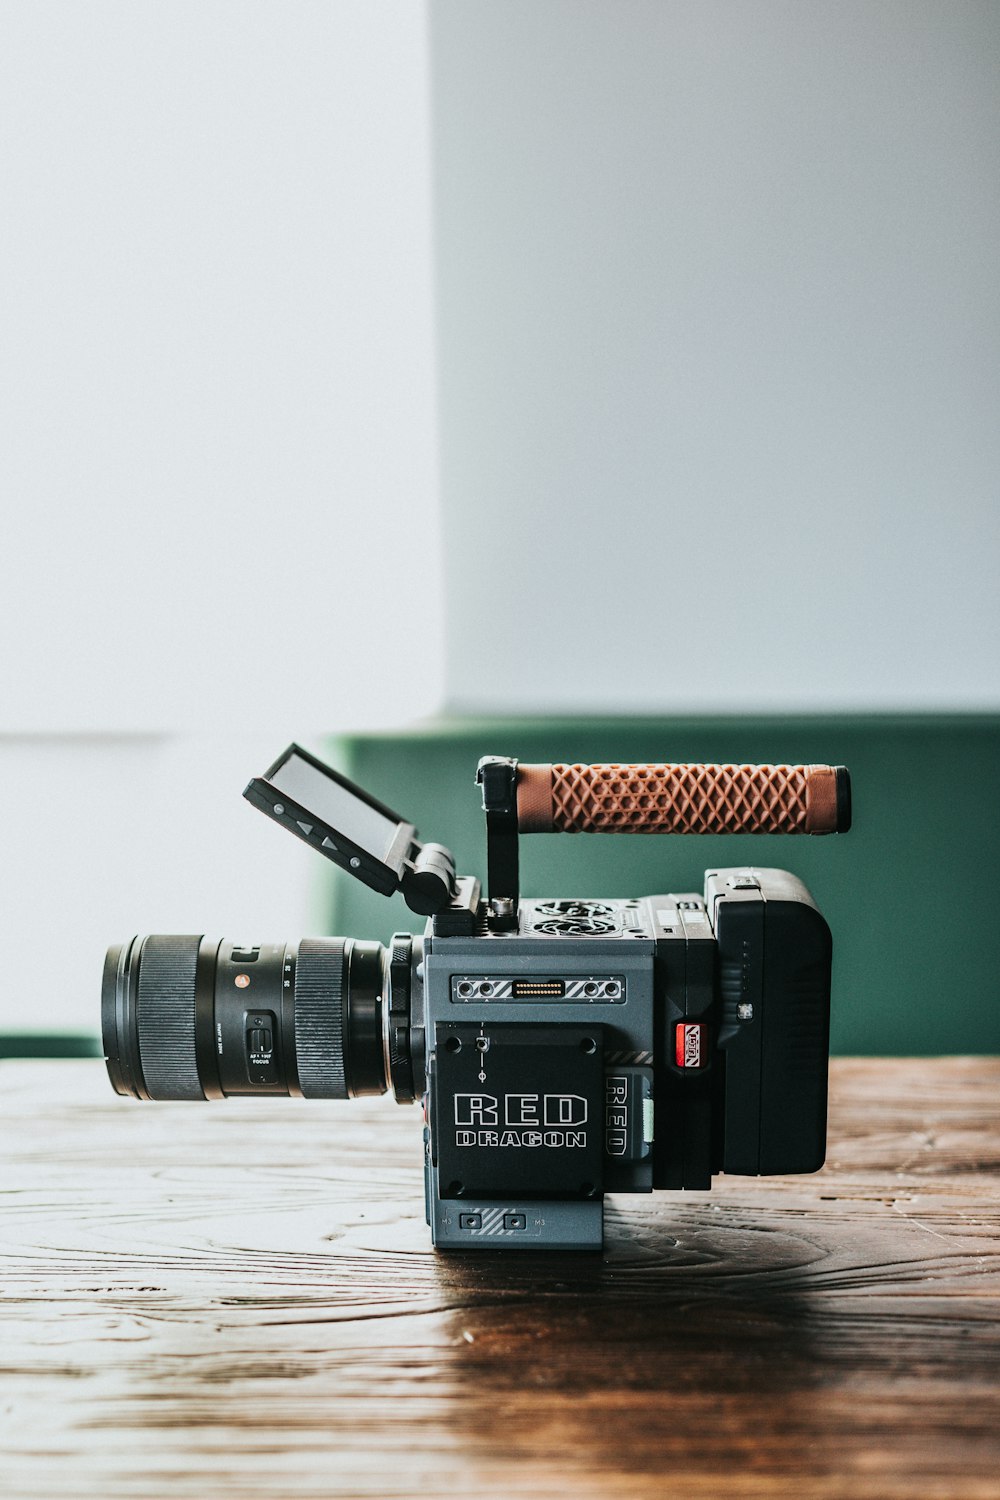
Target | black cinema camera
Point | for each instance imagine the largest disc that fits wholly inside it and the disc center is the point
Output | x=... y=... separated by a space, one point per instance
x=563 y=1049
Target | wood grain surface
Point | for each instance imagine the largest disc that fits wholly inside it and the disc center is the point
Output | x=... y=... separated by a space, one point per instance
x=239 y=1300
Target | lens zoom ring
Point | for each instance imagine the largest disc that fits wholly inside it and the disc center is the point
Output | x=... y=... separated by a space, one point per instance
x=320 y=996
x=165 y=1014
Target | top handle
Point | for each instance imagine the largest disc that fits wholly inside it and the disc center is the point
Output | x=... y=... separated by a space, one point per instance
x=683 y=799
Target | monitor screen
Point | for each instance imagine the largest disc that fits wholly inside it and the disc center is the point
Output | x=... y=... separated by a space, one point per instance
x=337 y=806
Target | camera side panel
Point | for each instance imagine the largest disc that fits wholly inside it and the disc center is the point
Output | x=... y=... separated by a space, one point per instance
x=555 y=1022
x=688 y=1069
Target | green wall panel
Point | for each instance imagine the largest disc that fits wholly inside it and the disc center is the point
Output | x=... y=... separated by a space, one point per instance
x=49 y=1044
x=912 y=893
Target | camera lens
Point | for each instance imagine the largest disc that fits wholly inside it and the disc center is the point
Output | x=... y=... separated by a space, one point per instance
x=188 y=1017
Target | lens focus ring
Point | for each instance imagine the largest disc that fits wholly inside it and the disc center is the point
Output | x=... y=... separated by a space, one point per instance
x=320 y=1031
x=165 y=1005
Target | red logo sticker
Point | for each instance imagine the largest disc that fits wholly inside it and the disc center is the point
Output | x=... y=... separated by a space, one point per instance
x=691 y=1044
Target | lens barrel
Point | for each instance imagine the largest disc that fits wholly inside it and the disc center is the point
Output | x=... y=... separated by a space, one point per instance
x=188 y=1017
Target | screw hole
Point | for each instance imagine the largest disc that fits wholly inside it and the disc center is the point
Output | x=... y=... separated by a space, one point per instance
x=453 y=1044
x=588 y=1045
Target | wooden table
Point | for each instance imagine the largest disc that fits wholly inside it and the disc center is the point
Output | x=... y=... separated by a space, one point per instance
x=239 y=1300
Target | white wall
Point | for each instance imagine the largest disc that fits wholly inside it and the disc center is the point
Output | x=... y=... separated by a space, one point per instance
x=719 y=347
x=106 y=836
x=218 y=501
x=217 y=408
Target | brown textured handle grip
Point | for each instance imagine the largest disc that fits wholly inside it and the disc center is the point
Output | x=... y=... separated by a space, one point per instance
x=683 y=799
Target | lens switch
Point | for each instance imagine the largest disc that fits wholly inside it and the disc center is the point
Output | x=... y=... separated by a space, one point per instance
x=262 y=1064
